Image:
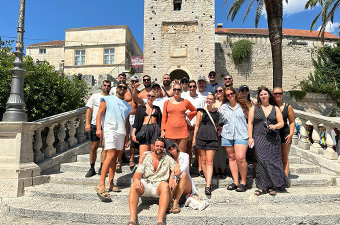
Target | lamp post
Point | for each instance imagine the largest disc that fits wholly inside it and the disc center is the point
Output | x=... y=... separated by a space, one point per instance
x=15 y=105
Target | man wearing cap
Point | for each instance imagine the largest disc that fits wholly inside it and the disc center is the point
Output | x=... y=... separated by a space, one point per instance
x=90 y=126
x=121 y=77
x=185 y=88
x=212 y=85
x=202 y=84
x=151 y=180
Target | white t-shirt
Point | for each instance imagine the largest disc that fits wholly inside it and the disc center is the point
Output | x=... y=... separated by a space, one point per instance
x=204 y=94
x=184 y=94
x=94 y=103
x=113 y=91
x=198 y=101
x=160 y=102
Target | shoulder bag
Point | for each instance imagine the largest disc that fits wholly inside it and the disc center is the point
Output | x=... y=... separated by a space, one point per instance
x=142 y=133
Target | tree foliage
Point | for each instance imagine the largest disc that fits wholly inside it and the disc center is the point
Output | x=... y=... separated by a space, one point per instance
x=326 y=76
x=46 y=92
x=241 y=51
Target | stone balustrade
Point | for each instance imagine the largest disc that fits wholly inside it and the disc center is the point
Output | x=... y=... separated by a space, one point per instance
x=308 y=120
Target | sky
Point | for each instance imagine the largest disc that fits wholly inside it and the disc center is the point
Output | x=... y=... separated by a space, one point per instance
x=46 y=20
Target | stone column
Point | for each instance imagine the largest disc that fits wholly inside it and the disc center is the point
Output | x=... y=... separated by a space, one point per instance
x=72 y=141
x=329 y=153
x=62 y=145
x=295 y=138
x=50 y=150
x=17 y=166
x=38 y=155
x=315 y=147
x=81 y=137
x=303 y=143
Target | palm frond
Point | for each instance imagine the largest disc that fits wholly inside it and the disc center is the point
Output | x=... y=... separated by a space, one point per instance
x=247 y=11
x=259 y=11
x=312 y=3
x=234 y=8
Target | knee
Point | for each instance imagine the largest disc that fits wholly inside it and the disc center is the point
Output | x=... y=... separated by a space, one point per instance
x=203 y=160
x=231 y=156
x=164 y=187
x=209 y=162
x=241 y=158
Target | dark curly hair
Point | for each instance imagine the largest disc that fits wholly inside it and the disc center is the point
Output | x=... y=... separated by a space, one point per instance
x=271 y=97
x=244 y=103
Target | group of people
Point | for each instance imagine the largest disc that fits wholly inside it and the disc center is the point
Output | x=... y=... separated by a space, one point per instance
x=169 y=123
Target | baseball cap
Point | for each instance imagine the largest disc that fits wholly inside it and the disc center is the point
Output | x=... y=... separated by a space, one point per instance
x=184 y=79
x=202 y=78
x=169 y=143
x=155 y=85
x=135 y=77
x=244 y=86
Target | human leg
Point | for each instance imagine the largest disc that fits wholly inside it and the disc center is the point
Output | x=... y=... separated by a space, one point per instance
x=240 y=154
x=110 y=155
x=163 y=192
x=182 y=144
x=232 y=164
x=93 y=157
x=133 y=202
x=184 y=187
x=203 y=158
x=209 y=155
x=285 y=152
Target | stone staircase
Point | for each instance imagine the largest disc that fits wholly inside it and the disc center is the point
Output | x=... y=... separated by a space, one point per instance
x=69 y=198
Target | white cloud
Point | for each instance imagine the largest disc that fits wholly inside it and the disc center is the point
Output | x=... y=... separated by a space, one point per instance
x=331 y=27
x=293 y=7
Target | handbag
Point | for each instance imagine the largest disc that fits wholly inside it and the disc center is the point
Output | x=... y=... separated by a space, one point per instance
x=142 y=133
x=195 y=202
x=269 y=132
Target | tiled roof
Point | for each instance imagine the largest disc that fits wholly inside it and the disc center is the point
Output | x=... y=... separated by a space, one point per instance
x=286 y=32
x=49 y=43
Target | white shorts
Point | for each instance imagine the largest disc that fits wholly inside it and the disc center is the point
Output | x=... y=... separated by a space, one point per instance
x=149 y=189
x=131 y=120
x=114 y=140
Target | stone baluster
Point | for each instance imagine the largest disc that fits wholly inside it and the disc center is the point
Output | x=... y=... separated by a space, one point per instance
x=62 y=145
x=38 y=155
x=295 y=138
x=303 y=143
x=50 y=150
x=81 y=128
x=72 y=141
x=315 y=147
x=329 y=153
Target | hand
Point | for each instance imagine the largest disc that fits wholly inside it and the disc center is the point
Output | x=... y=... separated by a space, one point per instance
x=135 y=85
x=193 y=142
x=250 y=142
x=88 y=127
x=288 y=139
x=176 y=81
x=177 y=171
x=271 y=127
x=99 y=133
x=134 y=139
x=126 y=142
x=163 y=134
x=139 y=186
x=174 y=186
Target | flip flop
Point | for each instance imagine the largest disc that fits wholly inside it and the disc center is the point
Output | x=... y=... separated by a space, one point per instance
x=272 y=192
x=259 y=192
x=176 y=208
x=114 y=188
x=103 y=195
x=131 y=163
x=232 y=186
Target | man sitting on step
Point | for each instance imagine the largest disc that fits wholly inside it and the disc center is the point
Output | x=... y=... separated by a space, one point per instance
x=151 y=180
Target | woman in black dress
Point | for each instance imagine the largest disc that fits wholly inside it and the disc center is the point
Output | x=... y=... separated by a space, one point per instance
x=287 y=131
x=205 y=138
x=264 y=122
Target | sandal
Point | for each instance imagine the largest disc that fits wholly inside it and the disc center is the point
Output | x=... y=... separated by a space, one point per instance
x=103 y=195
x=160 y=223
x=175 y=208
x=169 y=209
x=208 y=190
x=259 y=192
x=114 y=188
x=232 y=186
x=131 y=164
x=241 y=188
x=131 y=223
x=119 y=167
x=201 y=174
x=271 y=192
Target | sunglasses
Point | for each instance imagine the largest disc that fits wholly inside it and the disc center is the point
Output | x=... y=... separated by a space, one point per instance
x=177 y=89
x=244 y=90
x=109 y=85
x=173 y=146
x=228 y=78
x=184 y=81
x=278 y=93
x=192 y=86
x=228 y=95
x=122 y=87
x=150 y=96
x=146 y=80
x=219 y=91
x=134 y=81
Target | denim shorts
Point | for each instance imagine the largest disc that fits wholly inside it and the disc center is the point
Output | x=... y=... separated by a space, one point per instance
x=229 y=142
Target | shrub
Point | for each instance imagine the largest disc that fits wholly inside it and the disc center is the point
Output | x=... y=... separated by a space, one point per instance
x=241 y=51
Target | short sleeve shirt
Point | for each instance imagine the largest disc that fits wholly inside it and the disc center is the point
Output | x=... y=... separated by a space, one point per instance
x=94 y=103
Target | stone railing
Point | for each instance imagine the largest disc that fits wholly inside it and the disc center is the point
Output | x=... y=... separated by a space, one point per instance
x=305 y=120
x=45 y=147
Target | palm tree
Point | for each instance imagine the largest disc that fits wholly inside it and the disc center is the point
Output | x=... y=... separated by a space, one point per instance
x=274 y=9
x=326 y=14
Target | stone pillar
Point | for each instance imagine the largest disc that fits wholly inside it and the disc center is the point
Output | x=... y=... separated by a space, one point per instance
x=295 y=138
x=303 y=143
x=50 y=150
x=38 y=154
x=17 y=166
x=315 y=147
x=81 y=137
x=62 y=145
x=329 y=153
x=72 y=141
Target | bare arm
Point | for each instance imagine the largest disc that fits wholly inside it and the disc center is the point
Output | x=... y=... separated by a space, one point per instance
x=198 y=121
x=135 y=93
x=101 y=111
x=279 y=120
x=291 y=119
x=250 y=126
x=88 y=119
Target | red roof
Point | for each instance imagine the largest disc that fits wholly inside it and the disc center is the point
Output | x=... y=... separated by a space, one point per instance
x=286 y=32
x=49 y=43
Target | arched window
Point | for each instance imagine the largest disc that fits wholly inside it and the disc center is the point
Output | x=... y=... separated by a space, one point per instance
x=177 y=5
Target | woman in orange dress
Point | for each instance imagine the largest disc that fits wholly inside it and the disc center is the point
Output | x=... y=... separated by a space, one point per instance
x=174 y=125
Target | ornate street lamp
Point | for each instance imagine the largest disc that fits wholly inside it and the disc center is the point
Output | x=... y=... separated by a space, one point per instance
x=16 y=103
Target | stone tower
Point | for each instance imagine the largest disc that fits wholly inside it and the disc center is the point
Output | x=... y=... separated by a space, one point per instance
x=179 y=38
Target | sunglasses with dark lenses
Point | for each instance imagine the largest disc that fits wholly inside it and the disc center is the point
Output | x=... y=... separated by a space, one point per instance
x=219 y=91
x=150 y=96
x=134 y=81
x=192 y=86
x=122 y=87
x=244 y=90
x=213 y=75
x=172 y=146
x=228 y=95
x=184 y=81
x=278 y=93
x=146 y=80
x=107 y=85
x=228 y=78
x=177 y=89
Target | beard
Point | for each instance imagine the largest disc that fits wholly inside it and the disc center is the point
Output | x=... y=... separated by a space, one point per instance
x=148 y=84
x=158 y=152
x=166 y=83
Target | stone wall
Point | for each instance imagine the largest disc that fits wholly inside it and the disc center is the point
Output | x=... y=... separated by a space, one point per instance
x=54 y=55
x=297 y=61
x=182 y=39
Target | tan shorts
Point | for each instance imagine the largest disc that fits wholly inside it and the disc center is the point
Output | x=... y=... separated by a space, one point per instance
x=149 y=189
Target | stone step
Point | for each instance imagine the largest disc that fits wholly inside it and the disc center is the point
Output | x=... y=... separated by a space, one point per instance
x=124 y=180
x=96 y=212
x=220 y=195
x=83 y=167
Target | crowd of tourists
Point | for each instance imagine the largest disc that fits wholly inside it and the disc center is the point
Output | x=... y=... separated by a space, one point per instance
x=181 y=124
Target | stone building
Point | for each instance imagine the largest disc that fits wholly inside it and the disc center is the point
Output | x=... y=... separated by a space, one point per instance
x=179 y=38
x=298 y=48
x=91 y=50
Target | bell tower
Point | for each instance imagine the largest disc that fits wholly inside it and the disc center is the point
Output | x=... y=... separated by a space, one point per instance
x=179 y=38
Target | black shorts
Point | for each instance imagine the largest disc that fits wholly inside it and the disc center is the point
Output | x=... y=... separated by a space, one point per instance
x=93 y=136
x=284 y=132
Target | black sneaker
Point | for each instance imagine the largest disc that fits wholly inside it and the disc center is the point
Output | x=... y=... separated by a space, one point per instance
x=90 y=173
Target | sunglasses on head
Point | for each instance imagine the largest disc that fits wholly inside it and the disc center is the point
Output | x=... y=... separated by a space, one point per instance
x=231 y=94
x=177 y=89
x=122 y=87
x=172 y=147
x=150 y=96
